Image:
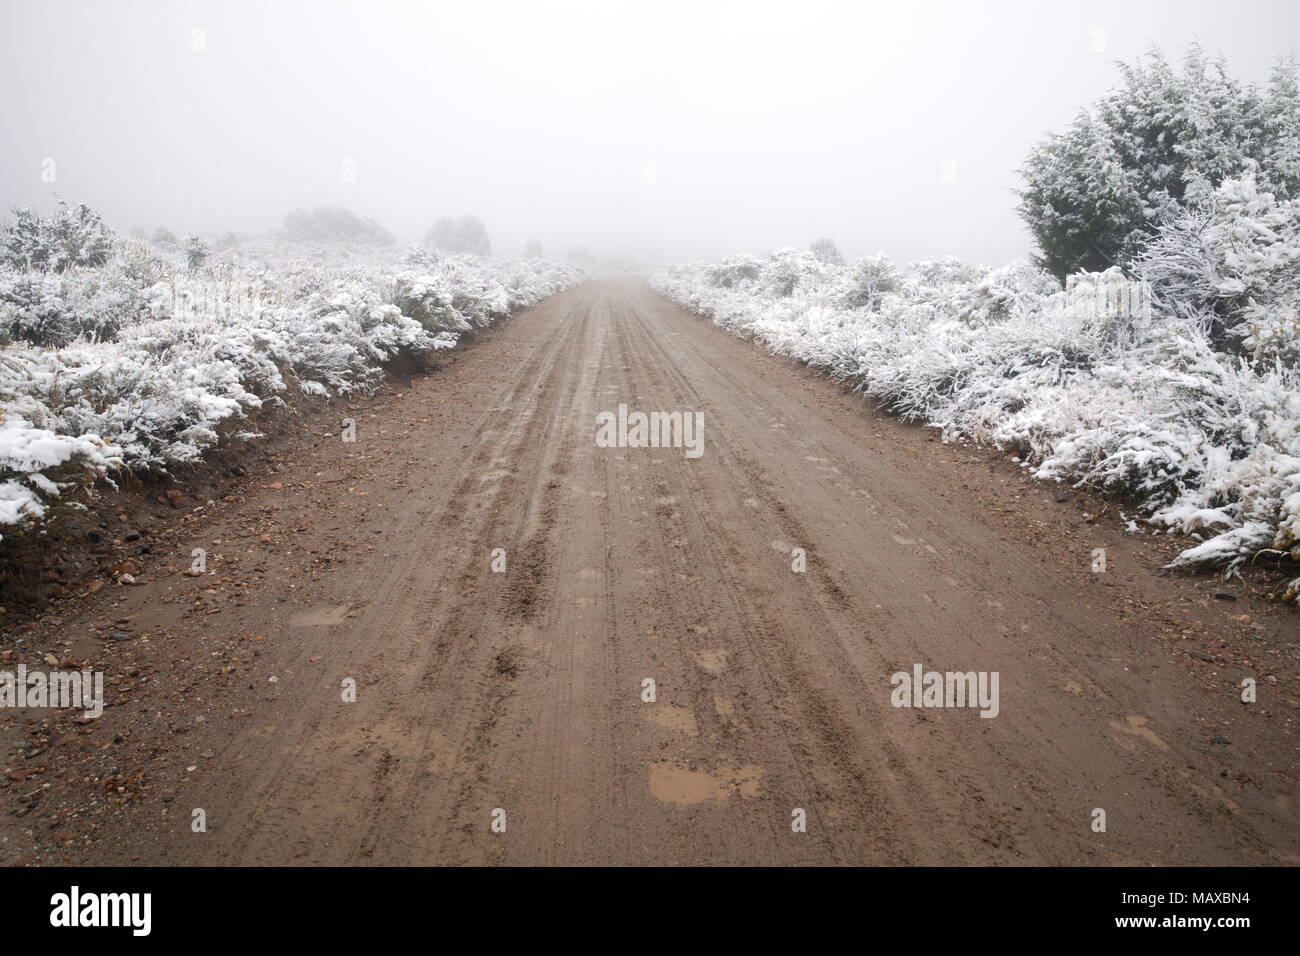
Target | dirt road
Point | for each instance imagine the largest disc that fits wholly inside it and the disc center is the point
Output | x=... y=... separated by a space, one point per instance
x=522 y=690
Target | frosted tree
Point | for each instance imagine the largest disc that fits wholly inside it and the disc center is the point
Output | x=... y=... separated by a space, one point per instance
x=472 y=237
x=1079 y=204
x=1277 y=117
x=441 y=235
x=533 y=249
x=827 y=252
x=1162 y=142
x=468 y=236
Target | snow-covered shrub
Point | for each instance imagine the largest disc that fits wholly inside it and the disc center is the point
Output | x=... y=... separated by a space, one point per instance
x=73 y=236
x=32 y=309
x=789 y=268
x=1233 y=264
x=52 y=309
x=36 y=464
x=734 y=271
x=868 y=281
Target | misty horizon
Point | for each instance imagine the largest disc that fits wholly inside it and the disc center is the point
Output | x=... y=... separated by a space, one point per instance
x=651 y=135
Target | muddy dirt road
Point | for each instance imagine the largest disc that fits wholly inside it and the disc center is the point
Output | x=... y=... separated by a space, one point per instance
x=522 y=690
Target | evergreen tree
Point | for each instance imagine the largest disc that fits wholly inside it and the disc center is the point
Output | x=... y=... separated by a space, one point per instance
x=1162 y=142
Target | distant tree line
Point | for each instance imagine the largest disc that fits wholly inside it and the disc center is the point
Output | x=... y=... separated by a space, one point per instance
x=334 y=224
x=467 y=235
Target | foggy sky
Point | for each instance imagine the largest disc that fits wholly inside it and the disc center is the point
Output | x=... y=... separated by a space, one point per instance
x=656 y=131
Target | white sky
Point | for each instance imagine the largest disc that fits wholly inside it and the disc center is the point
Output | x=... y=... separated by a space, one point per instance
x=764 y=124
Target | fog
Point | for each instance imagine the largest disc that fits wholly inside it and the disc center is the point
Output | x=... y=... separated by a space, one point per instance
x=653 y=132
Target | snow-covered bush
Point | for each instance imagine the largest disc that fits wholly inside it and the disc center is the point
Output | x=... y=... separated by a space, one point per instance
x=733 y=271
x=51 y=309
x=868 y=281
x=36 y=463
x=788 y=269
x=1233 y=263
x=146 y=363
x=1104 y=382
x=74 y=236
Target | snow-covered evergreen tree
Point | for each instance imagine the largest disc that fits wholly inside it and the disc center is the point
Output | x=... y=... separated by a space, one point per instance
x=826 y=252
x=1162 y=142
